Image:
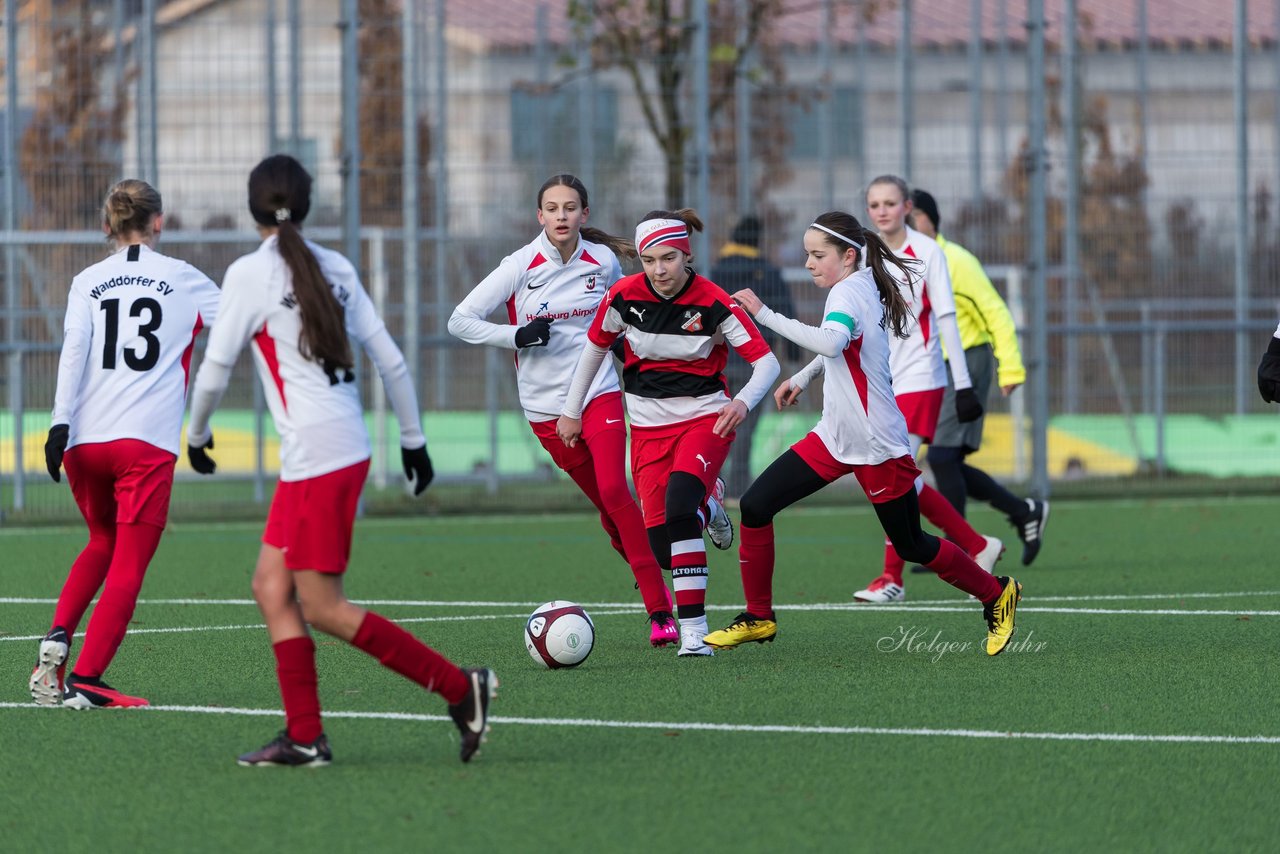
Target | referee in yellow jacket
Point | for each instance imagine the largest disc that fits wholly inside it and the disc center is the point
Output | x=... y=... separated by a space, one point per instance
x=991 y=351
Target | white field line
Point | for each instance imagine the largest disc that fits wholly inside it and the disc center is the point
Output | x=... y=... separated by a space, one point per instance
x=856 y=507
x=598 y=610
x=453 y=619
x=450 y=603
x=702 y=726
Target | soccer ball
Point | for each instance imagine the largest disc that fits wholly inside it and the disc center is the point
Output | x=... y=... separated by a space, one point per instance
x=559 y=634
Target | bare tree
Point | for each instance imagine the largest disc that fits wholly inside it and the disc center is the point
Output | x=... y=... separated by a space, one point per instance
x=70 y=150
x=652 y=42
x=382 y=79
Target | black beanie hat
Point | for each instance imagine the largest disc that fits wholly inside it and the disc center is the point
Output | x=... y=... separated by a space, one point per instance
x=925 y=202
x=747 y=231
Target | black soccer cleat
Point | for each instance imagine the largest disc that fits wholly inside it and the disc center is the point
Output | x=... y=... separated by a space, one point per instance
x=90 y=692
x=472 y=714
x=1031 y=528
x=285 y=751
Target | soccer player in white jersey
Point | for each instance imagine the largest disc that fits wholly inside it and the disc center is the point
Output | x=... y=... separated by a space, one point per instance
x=551 y=289
x=677 y=328
x=117 y=416
x=919 y=373
x=861 y=431
x=299 y=306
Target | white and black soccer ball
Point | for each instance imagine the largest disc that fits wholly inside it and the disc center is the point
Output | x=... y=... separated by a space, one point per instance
x=559 y=634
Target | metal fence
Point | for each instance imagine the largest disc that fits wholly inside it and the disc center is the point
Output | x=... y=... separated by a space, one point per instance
x=1120 y=186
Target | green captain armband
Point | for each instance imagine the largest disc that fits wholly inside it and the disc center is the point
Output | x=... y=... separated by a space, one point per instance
x=844 y=320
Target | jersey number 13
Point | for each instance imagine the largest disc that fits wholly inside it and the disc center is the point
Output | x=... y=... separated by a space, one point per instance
x=146 y=360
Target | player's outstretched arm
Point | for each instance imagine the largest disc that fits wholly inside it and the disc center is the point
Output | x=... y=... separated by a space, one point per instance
x=1269 y=372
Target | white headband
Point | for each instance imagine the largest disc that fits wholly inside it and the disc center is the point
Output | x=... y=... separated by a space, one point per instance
x=838 y=236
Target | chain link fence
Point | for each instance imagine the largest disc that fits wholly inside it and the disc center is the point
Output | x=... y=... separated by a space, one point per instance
x=429 y=126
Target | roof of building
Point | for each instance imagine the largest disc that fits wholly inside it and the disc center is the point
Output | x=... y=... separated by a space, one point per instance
x=938 y=24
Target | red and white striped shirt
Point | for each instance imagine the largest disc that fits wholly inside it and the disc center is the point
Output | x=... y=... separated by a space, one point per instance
x=675 y=347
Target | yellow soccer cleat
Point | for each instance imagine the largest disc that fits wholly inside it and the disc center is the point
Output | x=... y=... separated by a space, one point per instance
x=746 y=627
x=1000 y=613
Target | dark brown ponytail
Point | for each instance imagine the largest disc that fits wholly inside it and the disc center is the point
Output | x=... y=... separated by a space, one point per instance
x=867 y=244
x=280 y=198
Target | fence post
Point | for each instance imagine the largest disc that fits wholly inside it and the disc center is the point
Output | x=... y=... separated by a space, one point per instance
x=12 y=291
x=1159 y=399
x=378 y=293
x=1039 y=362
x=491 y=370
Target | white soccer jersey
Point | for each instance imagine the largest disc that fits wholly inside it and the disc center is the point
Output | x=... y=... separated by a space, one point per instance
x=317 y=414
x=916 y=360
x=861 y=423
x=126 y=351
x=533 y=283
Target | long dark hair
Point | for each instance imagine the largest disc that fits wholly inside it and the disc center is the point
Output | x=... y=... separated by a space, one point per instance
x=878 y=257
x=280 y=198
x=131 y=207
x=618 y=245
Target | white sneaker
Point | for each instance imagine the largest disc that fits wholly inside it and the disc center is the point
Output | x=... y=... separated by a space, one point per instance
x=990 y=553
x=692 y=633
x=883 y=594
x=719 y=525
x=46 y=683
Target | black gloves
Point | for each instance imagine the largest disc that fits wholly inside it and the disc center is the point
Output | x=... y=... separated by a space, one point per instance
x=535 y=333
x=417 y=468
x=54 y=447
x=200 y=461
x=1268 y=373
x=968 y=407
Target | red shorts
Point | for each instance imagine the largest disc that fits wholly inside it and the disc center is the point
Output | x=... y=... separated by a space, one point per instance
x=121 y=482
x=882 y=482
x=656 y=452
x=921 y=409
x=311 y=520
x=601 y=414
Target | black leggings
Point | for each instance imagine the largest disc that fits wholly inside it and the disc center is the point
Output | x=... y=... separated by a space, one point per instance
x=685 y=494
x=956 y=479
x=789 y=479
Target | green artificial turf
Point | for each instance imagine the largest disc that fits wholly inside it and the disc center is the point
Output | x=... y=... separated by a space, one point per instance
x=859 y=729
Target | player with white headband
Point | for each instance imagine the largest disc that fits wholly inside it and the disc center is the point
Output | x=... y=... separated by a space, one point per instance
x=677 y=329
x=920 y=373
x=861 y=432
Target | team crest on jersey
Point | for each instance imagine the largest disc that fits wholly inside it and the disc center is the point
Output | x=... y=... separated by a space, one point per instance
x=590 y=280
x=692 y=321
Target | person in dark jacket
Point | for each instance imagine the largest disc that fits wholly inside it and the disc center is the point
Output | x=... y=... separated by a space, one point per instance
x=742 y=265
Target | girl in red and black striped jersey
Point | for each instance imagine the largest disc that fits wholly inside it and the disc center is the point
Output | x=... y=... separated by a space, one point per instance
x=551 y=288
x=677 y=328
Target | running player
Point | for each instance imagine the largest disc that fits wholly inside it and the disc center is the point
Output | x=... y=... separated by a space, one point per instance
x=920 y=374
x=117 y=418
x=677 y=328
x=551 y=289
x=300 y=305
x=990 y=352
x=861 y=431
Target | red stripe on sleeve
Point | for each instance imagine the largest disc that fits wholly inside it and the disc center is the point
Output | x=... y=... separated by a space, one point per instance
x=267 y=345
x=853 y=360
x=186 y=354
